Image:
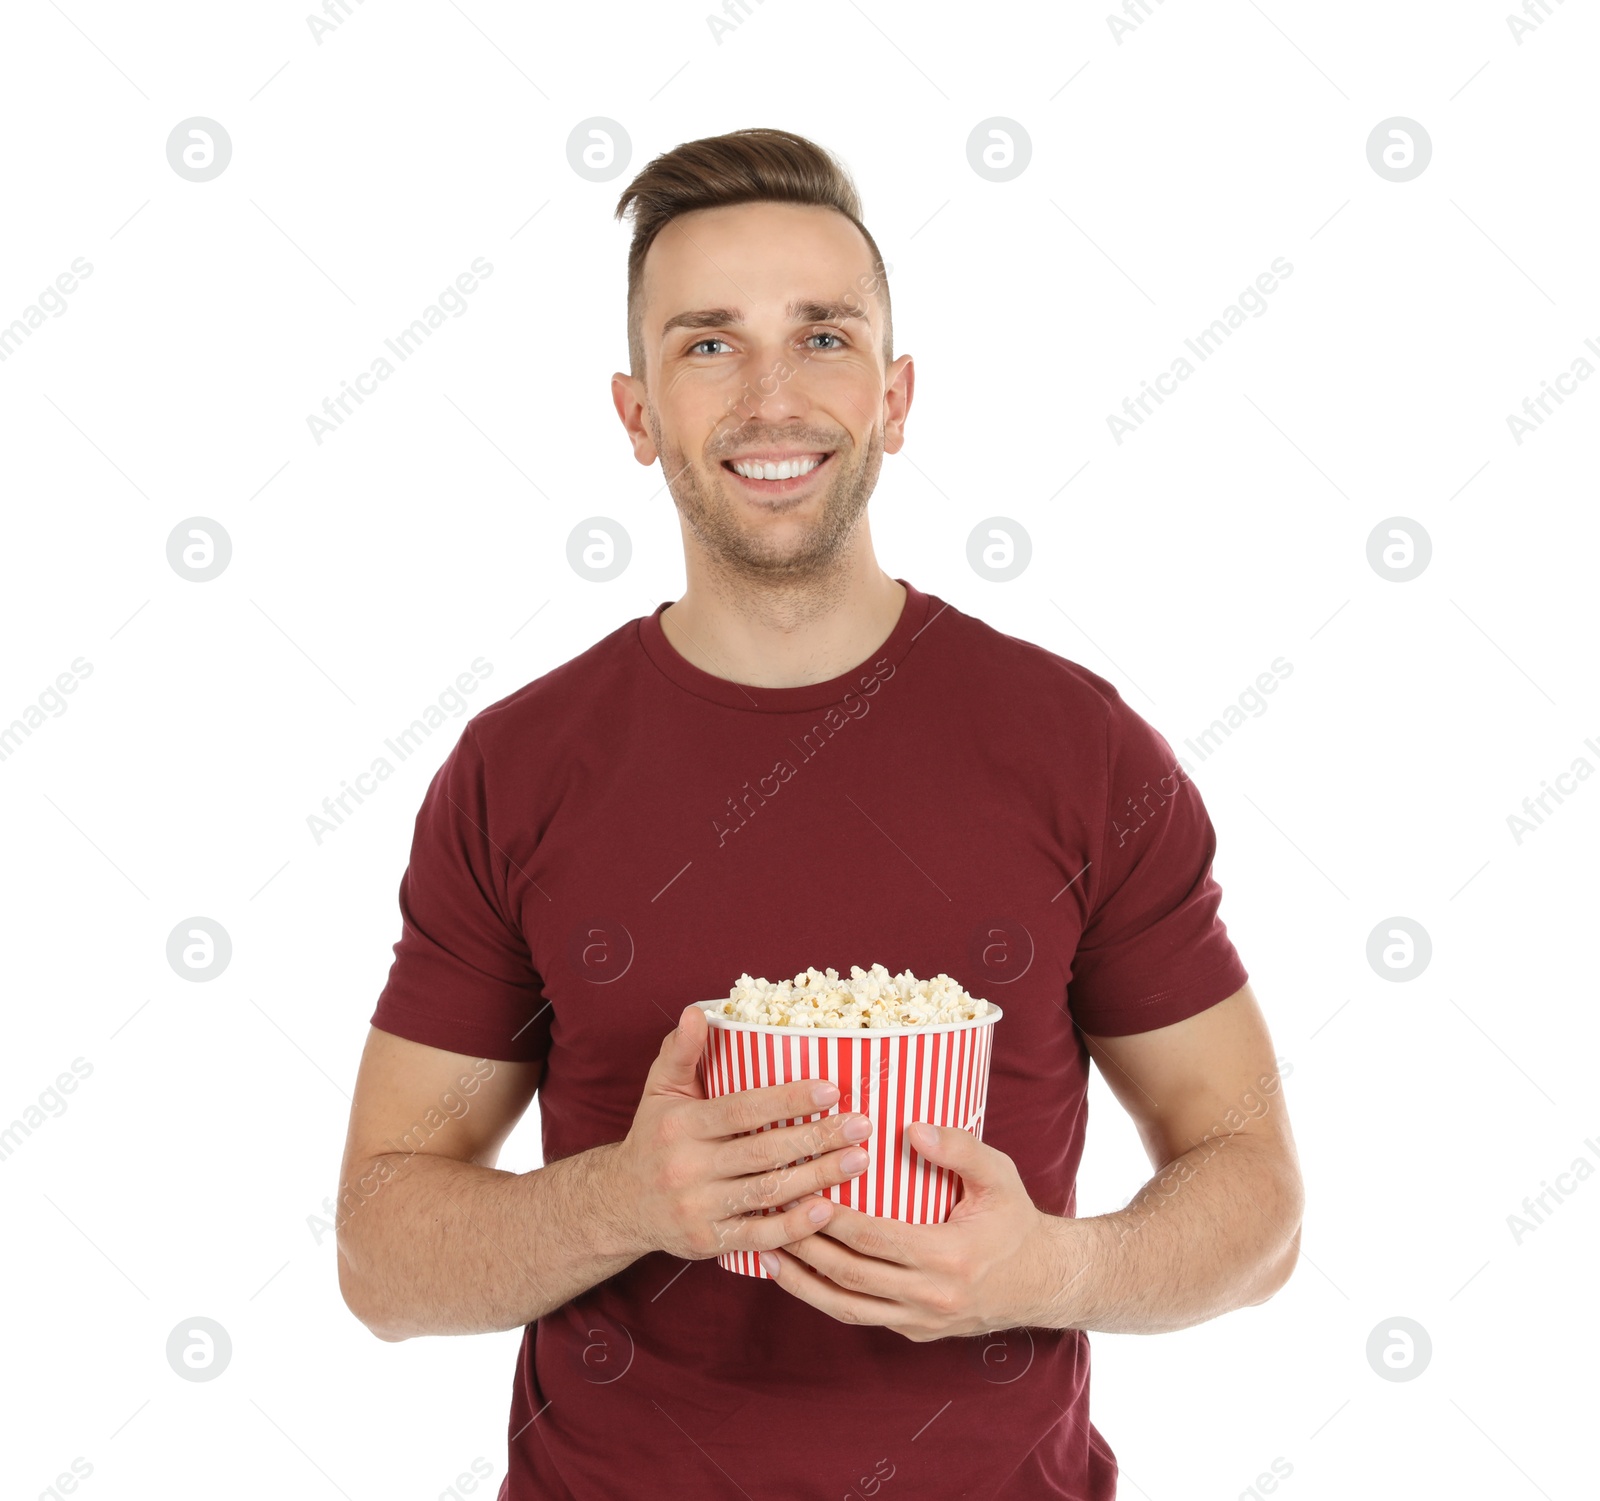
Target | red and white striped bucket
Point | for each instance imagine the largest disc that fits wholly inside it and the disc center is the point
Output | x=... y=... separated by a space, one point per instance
x=892 y=1075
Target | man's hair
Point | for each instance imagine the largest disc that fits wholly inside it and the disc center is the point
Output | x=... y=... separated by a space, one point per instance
x=744 y=166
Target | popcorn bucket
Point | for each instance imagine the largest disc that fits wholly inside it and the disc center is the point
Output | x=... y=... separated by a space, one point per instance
x=892 y=1075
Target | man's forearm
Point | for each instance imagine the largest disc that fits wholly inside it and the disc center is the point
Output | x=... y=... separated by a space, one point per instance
x=448 y=1247
x=1214 y=1230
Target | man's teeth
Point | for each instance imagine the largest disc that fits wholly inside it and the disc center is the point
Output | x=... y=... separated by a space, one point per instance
x=788 y=469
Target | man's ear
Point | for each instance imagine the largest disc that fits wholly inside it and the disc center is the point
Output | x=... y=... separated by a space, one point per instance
x=628 y=396
x=897 y=403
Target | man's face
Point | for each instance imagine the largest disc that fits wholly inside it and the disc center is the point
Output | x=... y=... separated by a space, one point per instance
x=763 y=341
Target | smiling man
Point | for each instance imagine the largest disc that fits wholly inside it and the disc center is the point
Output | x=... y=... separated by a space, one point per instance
x=801 y=761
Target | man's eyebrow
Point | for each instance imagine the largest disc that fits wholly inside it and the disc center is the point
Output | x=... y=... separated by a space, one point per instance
x=803 y=311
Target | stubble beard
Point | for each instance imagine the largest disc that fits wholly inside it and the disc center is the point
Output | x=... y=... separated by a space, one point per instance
x=815 y=557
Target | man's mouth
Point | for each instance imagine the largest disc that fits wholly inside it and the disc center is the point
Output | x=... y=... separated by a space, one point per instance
x=776 y=474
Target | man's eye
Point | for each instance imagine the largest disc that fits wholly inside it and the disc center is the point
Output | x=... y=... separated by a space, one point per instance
x=703 y=346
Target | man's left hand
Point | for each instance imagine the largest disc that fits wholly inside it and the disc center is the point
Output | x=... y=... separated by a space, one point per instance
x=997 y=1262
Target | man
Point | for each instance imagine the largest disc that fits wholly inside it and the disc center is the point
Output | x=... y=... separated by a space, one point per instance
x=802 y=761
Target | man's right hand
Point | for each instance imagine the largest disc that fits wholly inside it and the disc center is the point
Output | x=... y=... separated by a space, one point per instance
x=691 y=1185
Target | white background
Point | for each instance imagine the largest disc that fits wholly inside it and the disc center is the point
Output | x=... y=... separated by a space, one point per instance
x=1168 y=170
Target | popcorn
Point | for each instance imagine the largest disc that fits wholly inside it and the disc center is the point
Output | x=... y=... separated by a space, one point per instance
x=868 y=999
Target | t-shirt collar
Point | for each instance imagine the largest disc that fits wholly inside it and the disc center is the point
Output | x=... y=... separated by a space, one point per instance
x=913 y=616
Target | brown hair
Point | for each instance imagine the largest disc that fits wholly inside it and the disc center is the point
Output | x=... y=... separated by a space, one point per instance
x=743 y=166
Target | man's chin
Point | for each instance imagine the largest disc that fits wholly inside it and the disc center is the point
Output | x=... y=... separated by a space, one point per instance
x=759 y=554
x=786 y=538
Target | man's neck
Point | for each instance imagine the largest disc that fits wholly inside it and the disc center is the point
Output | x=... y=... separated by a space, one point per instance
x=784 y=637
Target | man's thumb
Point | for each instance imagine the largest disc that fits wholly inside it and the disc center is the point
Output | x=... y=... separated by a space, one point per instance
x=680 y=1054
x=950 y=1148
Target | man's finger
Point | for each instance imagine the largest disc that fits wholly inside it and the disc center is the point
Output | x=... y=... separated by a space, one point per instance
x=674 y=1071
x=883 y=1239
x=978 y=1166
x=793 y=1276
x=865 y=1275
x=762 y=1232
x=750 y=1109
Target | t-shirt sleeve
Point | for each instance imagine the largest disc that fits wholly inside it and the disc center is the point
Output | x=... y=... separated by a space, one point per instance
x=462 y=978
x=1154 y=948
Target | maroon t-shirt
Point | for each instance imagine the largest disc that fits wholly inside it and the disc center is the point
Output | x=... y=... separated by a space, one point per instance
x=627 y=834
